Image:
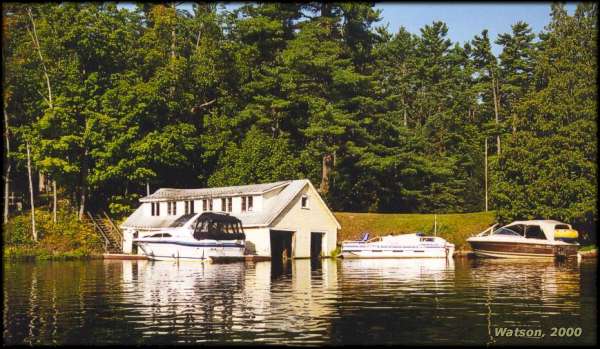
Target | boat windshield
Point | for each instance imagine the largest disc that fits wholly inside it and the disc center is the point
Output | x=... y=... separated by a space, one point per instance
x=506 y=231
x=182 y=220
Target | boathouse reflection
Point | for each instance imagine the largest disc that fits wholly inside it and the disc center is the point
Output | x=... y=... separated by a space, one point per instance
x=205 y=300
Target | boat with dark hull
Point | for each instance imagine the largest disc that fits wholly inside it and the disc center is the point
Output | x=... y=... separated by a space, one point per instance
x=527 y=239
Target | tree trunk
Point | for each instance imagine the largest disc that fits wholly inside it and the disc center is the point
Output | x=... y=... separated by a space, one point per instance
x=36 y=44
x=173 y=37
x=31 y=193
x=84 y=169
x=324 y=187
x=7 y=173
x=485 y=173
x=54 y=201
x=41 y=182
x=82 y=202
x=494 y=92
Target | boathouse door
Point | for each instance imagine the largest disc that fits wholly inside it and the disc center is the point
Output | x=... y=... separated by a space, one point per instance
x=281 y=245
x=316 y=245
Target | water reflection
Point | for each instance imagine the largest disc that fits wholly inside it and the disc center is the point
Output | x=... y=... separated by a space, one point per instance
x=236 y=301
x=424 y=301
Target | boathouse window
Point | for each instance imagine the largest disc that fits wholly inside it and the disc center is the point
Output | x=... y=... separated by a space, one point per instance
x=207 y=205
x=171 y=208
x=246 y=203
x=226 y=204
x=304 y=201
x=189 y=207
x=155 y=208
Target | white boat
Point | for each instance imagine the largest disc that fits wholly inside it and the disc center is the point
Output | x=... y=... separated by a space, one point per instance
x=196 y=237
x=398 y=246
x=527 y=239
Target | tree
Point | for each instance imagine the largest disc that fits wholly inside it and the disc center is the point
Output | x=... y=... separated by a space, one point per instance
x=548 y=169
x=516 y=67
x=258 y=159
x=487 y=80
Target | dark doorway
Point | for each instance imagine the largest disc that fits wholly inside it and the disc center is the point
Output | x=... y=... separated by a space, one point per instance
x=281 y=245
x=316 y=245
x=134 y=246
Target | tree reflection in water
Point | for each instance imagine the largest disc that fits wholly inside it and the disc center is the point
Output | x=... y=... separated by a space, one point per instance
x=428 y=301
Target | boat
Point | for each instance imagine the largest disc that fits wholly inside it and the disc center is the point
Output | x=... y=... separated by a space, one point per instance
x=526 y=239
x=200 y=236
x=415 y=245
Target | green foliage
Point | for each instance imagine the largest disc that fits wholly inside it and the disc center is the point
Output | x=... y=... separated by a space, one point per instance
x=258 y=159
x=548 y=168
x=113 y=100
x=68 y=238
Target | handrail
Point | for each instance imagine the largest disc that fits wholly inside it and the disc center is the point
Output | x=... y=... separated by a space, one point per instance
x=370 y=240
x=112 y=223
x=119 y=233
x=106 y=240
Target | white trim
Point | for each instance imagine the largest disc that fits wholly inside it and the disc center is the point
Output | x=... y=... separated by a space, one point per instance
x=214 y=195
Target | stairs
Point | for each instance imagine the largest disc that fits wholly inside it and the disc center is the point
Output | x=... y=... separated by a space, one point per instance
x=110 y=233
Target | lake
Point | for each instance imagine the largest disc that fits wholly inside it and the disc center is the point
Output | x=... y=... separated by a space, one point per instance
x=332 y=302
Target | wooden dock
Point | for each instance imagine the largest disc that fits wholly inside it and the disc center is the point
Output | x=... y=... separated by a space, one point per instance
x=124 y=256
x=247 y=258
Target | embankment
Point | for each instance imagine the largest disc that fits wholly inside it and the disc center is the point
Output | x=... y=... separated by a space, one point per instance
x=455 y=228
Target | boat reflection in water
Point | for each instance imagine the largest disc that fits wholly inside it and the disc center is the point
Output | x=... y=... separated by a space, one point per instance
x=232 y=302
x=409 y=270
x=334 y=302
x=526 y=293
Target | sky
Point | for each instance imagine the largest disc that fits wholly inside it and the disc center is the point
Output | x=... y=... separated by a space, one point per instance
x=464 y=20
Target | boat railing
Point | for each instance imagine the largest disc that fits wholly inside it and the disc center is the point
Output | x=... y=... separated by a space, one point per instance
x=376 y=238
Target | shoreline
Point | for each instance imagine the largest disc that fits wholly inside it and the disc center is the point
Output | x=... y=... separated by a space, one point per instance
x=72 y=255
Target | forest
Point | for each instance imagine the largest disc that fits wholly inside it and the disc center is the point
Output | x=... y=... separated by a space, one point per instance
x=103 y=104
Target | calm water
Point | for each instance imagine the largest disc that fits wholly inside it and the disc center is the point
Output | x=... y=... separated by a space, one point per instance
x=329 y=302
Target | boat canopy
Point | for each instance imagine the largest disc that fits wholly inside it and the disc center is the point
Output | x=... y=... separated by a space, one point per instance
x=218 y=226
x=543 y=229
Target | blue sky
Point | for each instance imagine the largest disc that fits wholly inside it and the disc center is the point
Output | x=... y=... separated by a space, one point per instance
x=464 y=20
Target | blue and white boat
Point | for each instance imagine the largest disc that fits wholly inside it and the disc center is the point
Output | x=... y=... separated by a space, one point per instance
x=398 y=246
x=196 y=237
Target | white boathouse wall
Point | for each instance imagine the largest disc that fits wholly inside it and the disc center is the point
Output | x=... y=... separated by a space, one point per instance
x=301 y=221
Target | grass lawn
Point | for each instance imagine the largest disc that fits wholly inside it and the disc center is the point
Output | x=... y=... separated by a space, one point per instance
x=455 y=228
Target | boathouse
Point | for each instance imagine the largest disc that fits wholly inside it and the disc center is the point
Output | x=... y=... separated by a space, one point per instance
x=282 y=218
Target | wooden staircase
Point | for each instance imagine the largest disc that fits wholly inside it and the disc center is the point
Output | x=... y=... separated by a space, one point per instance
x=110 y=233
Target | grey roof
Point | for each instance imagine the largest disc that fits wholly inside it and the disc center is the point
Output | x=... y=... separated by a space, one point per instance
x=249 y=219
x=165 y=194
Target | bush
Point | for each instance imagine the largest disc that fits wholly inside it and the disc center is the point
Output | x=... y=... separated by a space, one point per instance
x=67 y=238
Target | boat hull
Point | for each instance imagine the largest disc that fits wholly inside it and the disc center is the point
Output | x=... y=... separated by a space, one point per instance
x=497 y=249
x=190 y=250
x=399 y=253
